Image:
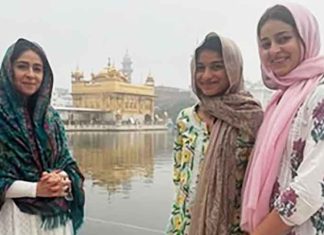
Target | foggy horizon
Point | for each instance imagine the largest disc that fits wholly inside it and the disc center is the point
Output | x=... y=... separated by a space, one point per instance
x=160 y=36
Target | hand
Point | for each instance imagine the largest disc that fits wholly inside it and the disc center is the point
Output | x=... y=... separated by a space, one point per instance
x=65 y=177
x=53 y=185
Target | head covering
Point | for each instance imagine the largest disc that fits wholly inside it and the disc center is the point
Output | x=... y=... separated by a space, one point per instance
x=235 y=111
x=32 y=140
x=294 y=88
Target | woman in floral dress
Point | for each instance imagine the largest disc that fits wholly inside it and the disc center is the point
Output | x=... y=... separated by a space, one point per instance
x=213 y=142
x=284 y=188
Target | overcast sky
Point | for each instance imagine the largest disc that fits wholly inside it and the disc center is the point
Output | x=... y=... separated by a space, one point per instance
x=160 y=35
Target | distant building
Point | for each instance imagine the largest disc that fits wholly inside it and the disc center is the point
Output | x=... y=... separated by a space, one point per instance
x=112 y=91
x=127 y=67
x=171 y=100
x=61 y=97
x=259 y=91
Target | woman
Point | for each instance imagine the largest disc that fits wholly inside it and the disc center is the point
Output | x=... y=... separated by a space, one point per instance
x=284 y=188
x=41 y=187
x=213 y=142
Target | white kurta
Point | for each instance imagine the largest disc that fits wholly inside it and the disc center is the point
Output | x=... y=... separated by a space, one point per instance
x=298 y=194
x=15 y=222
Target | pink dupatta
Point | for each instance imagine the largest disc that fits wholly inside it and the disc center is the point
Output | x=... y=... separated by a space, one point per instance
x=293 y=90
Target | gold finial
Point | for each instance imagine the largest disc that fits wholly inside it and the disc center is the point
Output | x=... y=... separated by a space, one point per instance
x=149 y=80
x=77 y=75
x=109 y=62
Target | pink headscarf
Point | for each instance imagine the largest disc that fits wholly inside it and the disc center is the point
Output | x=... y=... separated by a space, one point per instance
x=271 y=140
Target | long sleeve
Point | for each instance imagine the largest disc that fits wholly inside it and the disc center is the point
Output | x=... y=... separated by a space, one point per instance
x=304 y=196
x=176 y=153
x=21 y=188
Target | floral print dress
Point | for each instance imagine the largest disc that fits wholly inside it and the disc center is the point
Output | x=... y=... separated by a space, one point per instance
x=189 y=149
x=298 y=194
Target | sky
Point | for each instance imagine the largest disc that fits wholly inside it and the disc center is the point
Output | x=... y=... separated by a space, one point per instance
x=159 y=35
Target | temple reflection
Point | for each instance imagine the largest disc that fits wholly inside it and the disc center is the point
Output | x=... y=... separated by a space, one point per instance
x=112 y=160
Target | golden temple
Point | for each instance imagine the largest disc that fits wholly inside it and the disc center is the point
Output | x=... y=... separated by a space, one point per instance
x=111 y=90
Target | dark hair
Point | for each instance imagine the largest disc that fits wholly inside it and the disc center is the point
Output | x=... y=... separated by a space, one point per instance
x=20 y=47
x=23 y=45
x=212 y=43
x=277 y=12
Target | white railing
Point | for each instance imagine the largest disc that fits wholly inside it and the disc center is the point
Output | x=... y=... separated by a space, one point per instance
x=102 y=127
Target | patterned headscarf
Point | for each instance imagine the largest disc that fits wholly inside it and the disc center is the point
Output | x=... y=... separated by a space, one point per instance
x=33 y=140
x=235 y=111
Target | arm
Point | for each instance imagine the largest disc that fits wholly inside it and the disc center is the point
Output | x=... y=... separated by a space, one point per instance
x=21 y=188
x=272 y=225
x=177 y=147
x=304 y=196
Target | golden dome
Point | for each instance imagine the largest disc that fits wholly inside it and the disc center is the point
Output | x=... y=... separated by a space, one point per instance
x=110 y=73
x=103 y=72
x=149 y=80
x=77 y=74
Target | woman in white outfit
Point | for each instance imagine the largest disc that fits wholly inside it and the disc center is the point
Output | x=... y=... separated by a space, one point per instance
x=41 y=187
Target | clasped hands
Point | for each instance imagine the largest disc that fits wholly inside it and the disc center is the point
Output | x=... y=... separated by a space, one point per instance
x=53 y=184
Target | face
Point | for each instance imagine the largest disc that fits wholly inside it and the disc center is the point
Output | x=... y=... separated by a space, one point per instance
x=211 y=77
x=28 y=73
x=280 y=47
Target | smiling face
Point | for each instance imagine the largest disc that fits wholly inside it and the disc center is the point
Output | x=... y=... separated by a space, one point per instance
x=279 y=46
x=211 y=77
x=28 y=73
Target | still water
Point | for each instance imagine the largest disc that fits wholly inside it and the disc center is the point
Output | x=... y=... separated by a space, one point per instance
x=128 y=181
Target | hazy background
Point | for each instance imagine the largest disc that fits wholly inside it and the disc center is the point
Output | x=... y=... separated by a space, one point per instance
x=160 y=35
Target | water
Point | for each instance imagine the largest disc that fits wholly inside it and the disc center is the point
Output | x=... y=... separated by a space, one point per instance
x=128 y=181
